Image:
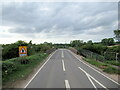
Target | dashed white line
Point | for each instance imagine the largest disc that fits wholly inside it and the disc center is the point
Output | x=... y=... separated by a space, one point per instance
x=93 y=78
x=63 y=65
x=67 y=85
x=62 y=55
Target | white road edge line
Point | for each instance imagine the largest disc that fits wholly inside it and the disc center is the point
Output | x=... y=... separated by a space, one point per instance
x=39 y=69
x=94 y=69
x=63 y=65
x=62 y=55
x=93 y=78
x=67 y=85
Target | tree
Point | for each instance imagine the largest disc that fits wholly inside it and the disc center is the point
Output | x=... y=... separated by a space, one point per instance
x=107 y=41
x=76 y=43
x=21 y=43
x=30 y=42
x=117 y=34
x=90 y=42
x=96 y=48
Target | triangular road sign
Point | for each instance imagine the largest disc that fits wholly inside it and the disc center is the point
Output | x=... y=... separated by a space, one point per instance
x=22 y=50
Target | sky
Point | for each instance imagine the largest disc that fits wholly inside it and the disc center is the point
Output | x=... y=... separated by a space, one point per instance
x=57 y=22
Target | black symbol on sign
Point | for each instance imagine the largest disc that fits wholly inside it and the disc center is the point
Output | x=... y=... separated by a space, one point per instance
x=23 y=50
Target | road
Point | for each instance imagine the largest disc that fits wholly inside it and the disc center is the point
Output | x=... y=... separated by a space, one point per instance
x=63 y=69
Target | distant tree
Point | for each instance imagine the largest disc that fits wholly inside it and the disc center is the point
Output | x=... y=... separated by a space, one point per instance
x=111 y=41
x=104 y=41
x=108 y=41
x=21 y=43
x=76 y=43
x=97 y=48
x=90 y=42
x=30 y=42
x=117 y=34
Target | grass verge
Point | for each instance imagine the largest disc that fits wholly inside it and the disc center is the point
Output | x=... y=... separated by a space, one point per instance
x=113 y=62
x=18 y=68
x=105 y=67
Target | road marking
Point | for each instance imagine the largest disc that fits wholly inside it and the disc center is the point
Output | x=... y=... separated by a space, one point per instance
x=98 y=82
x=40 y=69
x=67 y=85
x=91 y=81
x=62 y=55
x=63 y=65
x=94 y=69
x=93 y=78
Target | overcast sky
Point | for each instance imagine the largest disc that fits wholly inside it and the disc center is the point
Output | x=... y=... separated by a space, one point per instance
x=58 y=22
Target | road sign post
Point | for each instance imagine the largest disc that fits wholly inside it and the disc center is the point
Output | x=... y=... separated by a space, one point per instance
x=22 y=51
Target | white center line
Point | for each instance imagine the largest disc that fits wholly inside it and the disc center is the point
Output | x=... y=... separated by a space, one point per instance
x=63 y=65
x=67 y=85
x=62 y=55
x=93 y=78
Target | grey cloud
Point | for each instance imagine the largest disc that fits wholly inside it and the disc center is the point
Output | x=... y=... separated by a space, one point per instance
x=65 y=18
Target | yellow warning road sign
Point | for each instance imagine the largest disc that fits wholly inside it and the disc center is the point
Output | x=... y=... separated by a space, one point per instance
x=22 y=51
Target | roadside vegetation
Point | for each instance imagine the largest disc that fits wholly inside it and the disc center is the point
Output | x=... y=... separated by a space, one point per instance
x=12 y=50
x=113 y=62
x=104 y=66
x=14 y=67
x=21 y=67
x=104 y=54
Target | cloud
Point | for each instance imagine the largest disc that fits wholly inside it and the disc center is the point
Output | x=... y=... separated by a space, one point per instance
x=60 y=20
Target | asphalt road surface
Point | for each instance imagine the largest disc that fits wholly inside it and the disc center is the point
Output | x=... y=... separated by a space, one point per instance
x=64 y=69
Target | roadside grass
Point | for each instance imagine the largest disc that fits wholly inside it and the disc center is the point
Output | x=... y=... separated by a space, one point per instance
x=104 y=66
x=94 y=62
x=112 y=70
x=113 y=62
x=13 y=70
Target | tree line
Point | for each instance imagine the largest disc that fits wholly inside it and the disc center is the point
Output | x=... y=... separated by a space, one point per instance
x=11 y=50
x=106 y=45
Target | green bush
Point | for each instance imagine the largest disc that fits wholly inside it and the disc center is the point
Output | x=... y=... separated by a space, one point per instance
x=96 y=48
x=8 y=67
x=12 y=50
x=113 y=62
x=16 y=68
